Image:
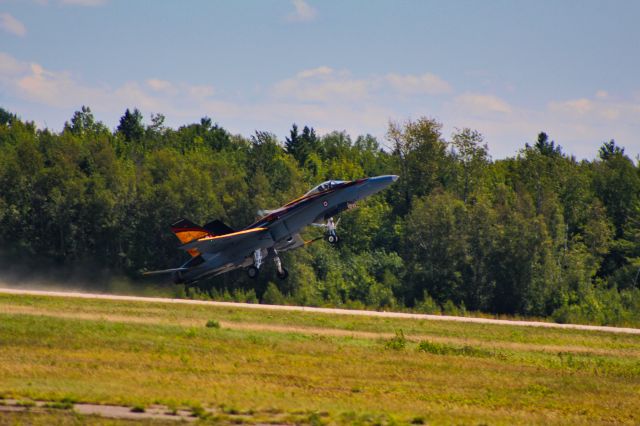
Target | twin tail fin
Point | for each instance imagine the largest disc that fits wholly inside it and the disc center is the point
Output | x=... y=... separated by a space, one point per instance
x=187 y=231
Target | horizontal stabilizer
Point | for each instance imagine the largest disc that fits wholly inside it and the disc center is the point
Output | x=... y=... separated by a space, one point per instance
x=217 y=227
x=164 y=271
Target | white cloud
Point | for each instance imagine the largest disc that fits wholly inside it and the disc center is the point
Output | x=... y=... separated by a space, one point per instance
x=322 y=84
x=61 y=89
x=481 y=104
x=428 y=83
x=303 y=12
x=160 y=85
x=169 y=88
x=314 y=72
x=11 y=25
x=57 y=89
x=199 y=91
x=10 y=66
x=580 y=106
x=599 y=110
x=602 y=94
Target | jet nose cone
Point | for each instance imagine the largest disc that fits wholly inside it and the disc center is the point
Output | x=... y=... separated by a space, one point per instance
x=384 y=179
x=376 y=184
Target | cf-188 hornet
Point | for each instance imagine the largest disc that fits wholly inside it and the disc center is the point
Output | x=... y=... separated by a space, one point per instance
x=215 y=248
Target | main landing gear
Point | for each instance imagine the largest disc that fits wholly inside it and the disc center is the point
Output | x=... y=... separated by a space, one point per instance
x=253 y=270
x=281 y=272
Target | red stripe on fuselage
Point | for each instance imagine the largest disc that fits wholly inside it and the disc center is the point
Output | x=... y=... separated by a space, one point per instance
x=274 y=215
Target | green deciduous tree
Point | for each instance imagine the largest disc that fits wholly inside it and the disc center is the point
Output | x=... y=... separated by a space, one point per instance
x=536 y=234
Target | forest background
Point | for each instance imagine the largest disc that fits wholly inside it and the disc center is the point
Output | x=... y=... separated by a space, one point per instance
x=539 y=234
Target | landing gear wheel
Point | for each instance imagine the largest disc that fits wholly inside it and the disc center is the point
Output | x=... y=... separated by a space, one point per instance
x=283 y=275
x=332 y=239
x=252 y=272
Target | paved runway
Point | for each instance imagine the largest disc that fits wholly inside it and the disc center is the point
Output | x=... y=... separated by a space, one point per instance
x=331 y=311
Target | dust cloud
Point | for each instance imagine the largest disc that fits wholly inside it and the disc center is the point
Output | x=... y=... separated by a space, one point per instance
x=81 y=279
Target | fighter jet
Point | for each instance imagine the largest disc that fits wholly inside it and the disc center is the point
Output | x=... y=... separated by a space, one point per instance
x=215 y=248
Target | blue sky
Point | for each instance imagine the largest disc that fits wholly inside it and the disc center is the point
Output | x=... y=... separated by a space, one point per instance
x=506 y=68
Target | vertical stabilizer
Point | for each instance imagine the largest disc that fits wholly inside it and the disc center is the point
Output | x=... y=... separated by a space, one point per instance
x=187 y=231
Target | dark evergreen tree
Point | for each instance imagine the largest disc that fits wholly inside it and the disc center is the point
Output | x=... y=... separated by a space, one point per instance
x=301 y=145
x=292 y=143
x=131 y=127
x=547 y=147
x=6 y=117
x=309 y=141
x=609 y=150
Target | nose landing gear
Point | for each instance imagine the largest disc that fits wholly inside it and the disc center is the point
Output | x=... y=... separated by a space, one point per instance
x=331 y=235
x=332 y=238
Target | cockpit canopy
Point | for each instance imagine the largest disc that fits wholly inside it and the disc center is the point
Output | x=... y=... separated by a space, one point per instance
x=324 y=186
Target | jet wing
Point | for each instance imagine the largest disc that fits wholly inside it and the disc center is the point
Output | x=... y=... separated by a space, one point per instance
x=220 y=243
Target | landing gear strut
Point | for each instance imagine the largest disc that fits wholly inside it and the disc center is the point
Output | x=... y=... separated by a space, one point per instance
x=331 y=235
x=253 y=270
x=281 y=272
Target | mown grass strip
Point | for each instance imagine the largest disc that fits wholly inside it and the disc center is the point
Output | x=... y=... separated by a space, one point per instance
x=94 y=360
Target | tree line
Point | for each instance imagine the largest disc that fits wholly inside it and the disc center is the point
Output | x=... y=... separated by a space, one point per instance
x=538 y=234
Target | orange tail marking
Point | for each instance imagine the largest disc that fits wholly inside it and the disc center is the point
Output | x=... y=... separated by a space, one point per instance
x=187 y=231
x=186 y=236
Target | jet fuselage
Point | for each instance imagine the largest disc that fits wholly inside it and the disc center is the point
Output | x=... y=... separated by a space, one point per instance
x=279 y=229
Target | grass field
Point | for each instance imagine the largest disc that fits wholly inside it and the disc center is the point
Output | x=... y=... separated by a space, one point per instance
x=295 y=367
